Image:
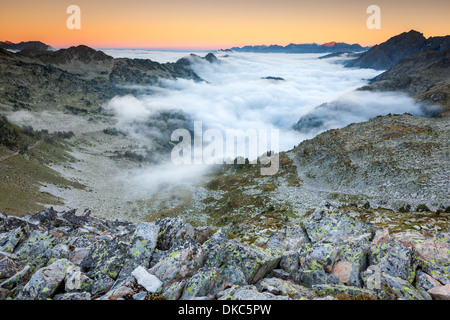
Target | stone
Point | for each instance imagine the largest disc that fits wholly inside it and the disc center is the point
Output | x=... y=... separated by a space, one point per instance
x=181 y=261
x=73 y=296
x=45 y=281
x=395 y=259
x=117 y=293
x=37 y=249
x=425 y=282
x=150 y=282
x=248 y=292
x=3 y=293
x=143 y=244
x=333 y=225
x=350 y=291
x=17 y=279
x=288 y=238
x=60 y=251
x=402 y=289
x=9 y=267
x=440 y=293
x=172 y=231
x=140 y=296
x=11 y=240
x=106 y=256
x=285 y=288
x=174 y=290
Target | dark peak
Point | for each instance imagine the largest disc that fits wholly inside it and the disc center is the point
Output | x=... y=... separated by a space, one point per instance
x=24 y=45
x=211 y=58
x=82 y=53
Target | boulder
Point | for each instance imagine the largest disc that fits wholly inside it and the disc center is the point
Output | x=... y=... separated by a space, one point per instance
x=173 y=230
x=329 y=224
x=181 y=261
x=45 y=281
x=143 y=244
x=288 y=238
x=284 y=288
x=344 y=291
x=400 y=288
x=150 y=283
x=440 y=293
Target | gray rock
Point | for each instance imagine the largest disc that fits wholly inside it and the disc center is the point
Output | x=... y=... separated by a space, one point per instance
x=174 y=290
x=141 y=249
x=106 y=256
x=151 y=283
x=3 y=293
x=285 y=288
x=37 y=249
x=181 y=261
x=117 y=293
x=394 y=259
x=45 y=281
x=349 y=291
x=9 y=267
x=72 y=296
x=248 y=292
x=60 y=251
x=440 y=293
x=101 y=284
x=288 y=238
x=19 y=278
x=172 y=231
x=11 y=240
x=333 y=225
x=425 y=282
x=140 y=296
x=400 y=288
x=254 y=262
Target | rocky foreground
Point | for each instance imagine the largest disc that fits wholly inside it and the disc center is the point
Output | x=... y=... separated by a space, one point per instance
x=332 y=255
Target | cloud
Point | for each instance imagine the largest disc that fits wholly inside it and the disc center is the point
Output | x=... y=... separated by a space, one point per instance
x=357 y=106
x=235 y=95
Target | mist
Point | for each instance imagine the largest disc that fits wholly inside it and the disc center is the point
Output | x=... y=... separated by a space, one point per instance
x=235 y=94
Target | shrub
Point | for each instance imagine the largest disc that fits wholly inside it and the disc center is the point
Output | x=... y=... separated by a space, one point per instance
x=423 y=208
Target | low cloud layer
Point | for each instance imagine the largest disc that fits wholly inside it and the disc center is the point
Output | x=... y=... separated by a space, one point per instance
x=236 y=95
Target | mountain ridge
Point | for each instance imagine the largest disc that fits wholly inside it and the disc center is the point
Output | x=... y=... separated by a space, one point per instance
x=328 y=47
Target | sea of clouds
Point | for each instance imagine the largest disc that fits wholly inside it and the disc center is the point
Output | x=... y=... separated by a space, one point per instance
x=235 y=95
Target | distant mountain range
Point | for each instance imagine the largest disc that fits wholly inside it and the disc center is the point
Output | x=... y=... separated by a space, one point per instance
x=329 y=47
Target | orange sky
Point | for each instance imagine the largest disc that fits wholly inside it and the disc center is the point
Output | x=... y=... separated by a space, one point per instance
x=212 y=24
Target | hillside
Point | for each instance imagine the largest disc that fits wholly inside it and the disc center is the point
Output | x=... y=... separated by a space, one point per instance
x=78 y=79
x=387 y=54
x=424 y=75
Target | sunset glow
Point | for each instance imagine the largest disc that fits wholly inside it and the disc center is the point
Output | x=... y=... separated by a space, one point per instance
x=200 y=24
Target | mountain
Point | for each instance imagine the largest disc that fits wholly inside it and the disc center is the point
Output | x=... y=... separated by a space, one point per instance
x=387 y=54
x=78 y=78
x=304 y=48
x=424 y=75
x=8 y=45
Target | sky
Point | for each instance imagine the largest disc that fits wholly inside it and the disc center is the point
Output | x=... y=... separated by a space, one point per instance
x=212 y=24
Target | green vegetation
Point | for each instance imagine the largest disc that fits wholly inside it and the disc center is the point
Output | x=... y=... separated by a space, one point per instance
x=24 y=158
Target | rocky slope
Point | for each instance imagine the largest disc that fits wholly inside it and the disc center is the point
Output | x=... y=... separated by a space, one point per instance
x=387 y=54
x=78 y=79
x=332 y=255
x=8 y=45
x=391 y=161
x=424 y=75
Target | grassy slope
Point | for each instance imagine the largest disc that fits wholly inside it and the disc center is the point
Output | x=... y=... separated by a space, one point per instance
x=26 y=170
